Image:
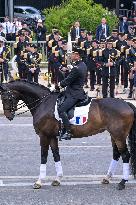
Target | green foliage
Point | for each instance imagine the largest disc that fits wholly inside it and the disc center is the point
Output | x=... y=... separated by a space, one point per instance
x=86 y=11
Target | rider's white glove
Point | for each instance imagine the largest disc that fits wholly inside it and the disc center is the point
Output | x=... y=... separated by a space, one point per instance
x=60 y=88
x=70 y=67
x=52 y=88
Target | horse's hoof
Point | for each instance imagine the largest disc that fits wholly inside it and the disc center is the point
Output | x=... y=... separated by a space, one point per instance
x=121 y=186
x=37 y=185
x=55 y=183
x=105 y=181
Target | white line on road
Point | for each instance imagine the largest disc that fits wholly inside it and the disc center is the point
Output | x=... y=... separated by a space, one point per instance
x=16 y=125
x=84 y=146
x=67 y=180
x=66 y=177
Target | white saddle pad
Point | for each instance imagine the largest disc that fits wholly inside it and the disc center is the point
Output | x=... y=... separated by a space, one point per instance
x=80 y=115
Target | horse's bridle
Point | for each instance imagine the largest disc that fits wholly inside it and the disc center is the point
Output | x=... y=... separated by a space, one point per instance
x=12 y=108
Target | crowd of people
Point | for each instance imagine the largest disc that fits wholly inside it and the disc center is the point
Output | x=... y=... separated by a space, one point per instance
x=110 y=57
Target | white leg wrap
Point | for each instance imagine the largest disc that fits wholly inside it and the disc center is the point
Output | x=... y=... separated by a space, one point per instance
x=58 y=168
x=42 y=171
x=126 y=171
x=112 y=168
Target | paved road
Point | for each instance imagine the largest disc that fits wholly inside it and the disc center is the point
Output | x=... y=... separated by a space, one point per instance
x=84 y=161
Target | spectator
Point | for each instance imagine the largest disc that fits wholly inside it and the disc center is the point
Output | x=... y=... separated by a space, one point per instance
x=123 y=25
x=40 y=31
x=102 y=30
x=15 y=27
x=1 y=31
x=7 y=28
x=75 y=31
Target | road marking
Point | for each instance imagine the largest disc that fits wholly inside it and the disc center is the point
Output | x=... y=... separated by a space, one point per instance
x=16 y=125
x=84 y=146
x=67 y=180
x=66 y=177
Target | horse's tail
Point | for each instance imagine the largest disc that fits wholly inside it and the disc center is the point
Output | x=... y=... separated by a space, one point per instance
x=132 y=142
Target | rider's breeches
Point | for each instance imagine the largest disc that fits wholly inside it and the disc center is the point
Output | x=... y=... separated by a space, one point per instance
x=64 y=108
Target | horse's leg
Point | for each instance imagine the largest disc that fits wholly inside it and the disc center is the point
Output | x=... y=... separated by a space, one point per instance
x=126 y=169
x=113 y=164
x=58 y=166
x=42 y=175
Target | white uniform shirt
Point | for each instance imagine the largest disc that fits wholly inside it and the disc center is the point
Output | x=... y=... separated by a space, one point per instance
x=16 y=27
x=6 y=27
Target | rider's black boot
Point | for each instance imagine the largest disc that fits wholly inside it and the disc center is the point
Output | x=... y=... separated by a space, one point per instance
x=67 y=135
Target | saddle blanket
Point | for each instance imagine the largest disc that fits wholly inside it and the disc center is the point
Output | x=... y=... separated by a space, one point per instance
x=80 y=115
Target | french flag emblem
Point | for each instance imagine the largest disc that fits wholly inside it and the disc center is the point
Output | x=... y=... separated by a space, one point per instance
x=81 y=120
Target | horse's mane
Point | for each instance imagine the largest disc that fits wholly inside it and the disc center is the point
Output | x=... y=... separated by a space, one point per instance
x=31 y=83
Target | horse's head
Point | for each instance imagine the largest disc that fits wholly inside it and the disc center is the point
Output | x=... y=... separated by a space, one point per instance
x=9 y=102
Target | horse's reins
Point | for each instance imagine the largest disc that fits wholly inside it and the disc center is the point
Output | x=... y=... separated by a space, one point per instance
x=24 y=105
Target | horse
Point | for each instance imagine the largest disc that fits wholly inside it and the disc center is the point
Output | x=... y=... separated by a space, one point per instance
x=114 y=115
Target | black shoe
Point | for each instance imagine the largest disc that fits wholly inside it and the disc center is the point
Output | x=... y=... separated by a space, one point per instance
x=129 y=96
x=66 y=136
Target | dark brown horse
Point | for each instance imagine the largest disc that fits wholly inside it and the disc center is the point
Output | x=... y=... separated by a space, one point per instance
x=114 y=115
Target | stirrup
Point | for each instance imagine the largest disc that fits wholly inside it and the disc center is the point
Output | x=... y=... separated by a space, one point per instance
x=66 y=136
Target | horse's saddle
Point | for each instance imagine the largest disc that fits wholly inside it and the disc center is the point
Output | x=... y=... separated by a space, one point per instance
x=80 y=103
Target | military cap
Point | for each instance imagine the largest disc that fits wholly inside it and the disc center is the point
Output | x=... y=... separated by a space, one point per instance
x=33 y=45
x=115 y=31
x=103 y=40
x=109 y=40
x=89 y=33
x=83 y=29
x=78 y=50
x=121 y=34
x=60 y=39
x=129 y=38
x=64 y=42
x=94 y=41
x=56 y=32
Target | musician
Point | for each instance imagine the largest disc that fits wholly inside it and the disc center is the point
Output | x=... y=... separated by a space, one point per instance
x=33 y=60
x=91 y=63
x=74 y=88
x=19 y=48
x=107 y=58
x=132 y=79
x=121 y=45
x=1 y=31
x=4 y=59
x=40 y=31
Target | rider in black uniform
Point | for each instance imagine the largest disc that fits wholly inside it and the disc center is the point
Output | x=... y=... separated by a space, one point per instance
x=74 y=92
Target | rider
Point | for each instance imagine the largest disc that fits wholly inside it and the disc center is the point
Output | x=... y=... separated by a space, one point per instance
x=74 y=92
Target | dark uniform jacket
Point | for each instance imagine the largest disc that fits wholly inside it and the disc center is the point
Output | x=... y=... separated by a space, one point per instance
x=104 y=59
x=33 y=60
x=75 y=81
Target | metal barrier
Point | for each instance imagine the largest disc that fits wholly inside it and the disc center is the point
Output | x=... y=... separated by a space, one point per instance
x=125 y=12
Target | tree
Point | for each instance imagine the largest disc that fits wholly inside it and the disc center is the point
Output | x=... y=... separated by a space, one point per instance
x=86 y=11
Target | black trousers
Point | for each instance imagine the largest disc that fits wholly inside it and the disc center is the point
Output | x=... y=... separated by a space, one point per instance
x=99 y=76
x=64 y=108
x=105 y=85
x=32 y=77
x=92 y=78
